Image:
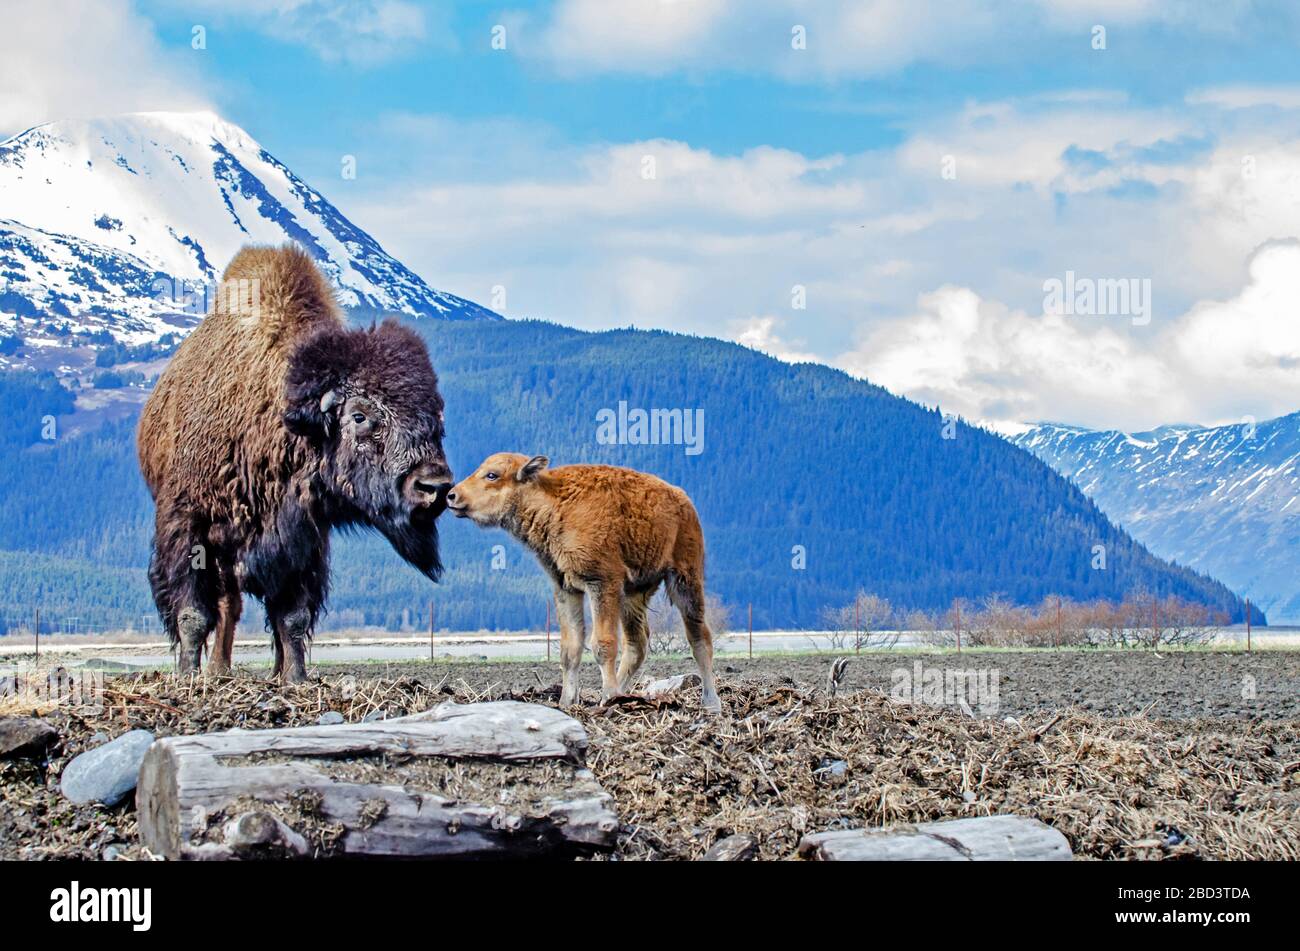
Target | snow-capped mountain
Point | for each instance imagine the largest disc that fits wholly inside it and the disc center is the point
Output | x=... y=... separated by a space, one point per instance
x=123 y=224
x=1224 y=500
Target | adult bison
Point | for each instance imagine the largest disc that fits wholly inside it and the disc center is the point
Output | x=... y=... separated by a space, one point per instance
x=273 y=424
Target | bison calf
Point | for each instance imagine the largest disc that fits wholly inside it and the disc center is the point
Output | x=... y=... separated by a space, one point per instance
x=611 y=533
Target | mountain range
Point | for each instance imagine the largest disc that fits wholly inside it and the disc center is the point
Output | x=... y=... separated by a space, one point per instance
x=811 y=485
x=1225 y=499
x=123 y=223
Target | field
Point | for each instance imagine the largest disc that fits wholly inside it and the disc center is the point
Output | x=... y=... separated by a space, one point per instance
x=1132 y=755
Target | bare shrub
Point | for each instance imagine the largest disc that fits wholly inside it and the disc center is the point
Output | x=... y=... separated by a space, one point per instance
x=861 y=623
x=1141 y=620
x=668 y=633
x=925 y=627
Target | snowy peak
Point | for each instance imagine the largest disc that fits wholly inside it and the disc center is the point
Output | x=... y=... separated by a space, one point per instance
x=1223 y=499
x=103 y=220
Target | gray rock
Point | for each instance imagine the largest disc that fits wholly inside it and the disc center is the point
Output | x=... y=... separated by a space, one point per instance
x=25 y=736
x=99 y=738
x=331 y=717
x=734 y=848
x=374 y=715
x=107 y=773
x=113 y=852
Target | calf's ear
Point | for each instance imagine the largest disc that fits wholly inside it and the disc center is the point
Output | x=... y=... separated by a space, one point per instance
x=529 y=470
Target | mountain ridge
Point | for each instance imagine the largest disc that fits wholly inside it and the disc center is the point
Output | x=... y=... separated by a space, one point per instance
x=166 y=196
x=1223 y=499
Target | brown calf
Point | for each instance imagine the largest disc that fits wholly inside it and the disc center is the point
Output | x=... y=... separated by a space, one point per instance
x=611 y=533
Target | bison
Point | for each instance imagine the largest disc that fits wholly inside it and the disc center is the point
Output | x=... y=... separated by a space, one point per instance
x=273 y=424
x=614 y=534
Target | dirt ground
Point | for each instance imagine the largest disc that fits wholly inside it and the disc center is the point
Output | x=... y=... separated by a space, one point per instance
x=1173 y=685
x=1131 y=756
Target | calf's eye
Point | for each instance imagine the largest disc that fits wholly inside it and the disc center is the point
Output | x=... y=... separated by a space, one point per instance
x=491 y=477
x=358 y=418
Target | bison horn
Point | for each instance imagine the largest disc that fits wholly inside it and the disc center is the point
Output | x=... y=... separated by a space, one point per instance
x=328 y=400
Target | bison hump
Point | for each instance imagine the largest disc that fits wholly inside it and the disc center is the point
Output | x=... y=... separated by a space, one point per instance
x=279 y=294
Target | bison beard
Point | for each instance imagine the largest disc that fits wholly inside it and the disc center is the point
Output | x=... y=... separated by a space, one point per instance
x=270 y=428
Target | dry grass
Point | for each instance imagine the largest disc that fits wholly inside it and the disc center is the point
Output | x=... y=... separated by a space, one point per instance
x=1117 y=788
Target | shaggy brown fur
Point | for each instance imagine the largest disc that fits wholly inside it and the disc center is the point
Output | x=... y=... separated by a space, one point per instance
x=611 y=533
x=272 y=424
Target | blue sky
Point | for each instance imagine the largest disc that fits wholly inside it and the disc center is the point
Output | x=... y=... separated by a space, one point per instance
x=919 y=169
x=452 y=70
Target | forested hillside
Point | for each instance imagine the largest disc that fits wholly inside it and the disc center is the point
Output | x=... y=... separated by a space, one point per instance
x=810 y=485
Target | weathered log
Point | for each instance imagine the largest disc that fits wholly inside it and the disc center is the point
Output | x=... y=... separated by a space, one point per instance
x=979 y=839
x=472 y=780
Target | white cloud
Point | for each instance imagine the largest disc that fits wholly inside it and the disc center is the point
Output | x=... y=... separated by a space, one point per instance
x=1076 y=181
x=983 y=361
x=62 y=60
x=361 y=32
x=1011 y=143
x=1246 y=96
x=842 y=38
x=1218 y=362
x=759 y=333
x=1243 y=353
x=593 y=241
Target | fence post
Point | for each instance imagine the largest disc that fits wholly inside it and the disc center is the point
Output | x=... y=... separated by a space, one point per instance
x=956 y=607
x=1059 y=632
x=548 y=630
x=431 y=629
x=751 y=630
x=37 y=634
x=1248 y=625
x=857 y=624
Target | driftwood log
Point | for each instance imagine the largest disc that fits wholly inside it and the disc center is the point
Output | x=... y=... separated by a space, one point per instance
x=474 y=780
x=980 y=839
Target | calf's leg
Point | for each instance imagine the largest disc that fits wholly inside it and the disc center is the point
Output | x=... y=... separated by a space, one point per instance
x=606 y=608
x=573 y=637
x=636 y=638
x=687 y=593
